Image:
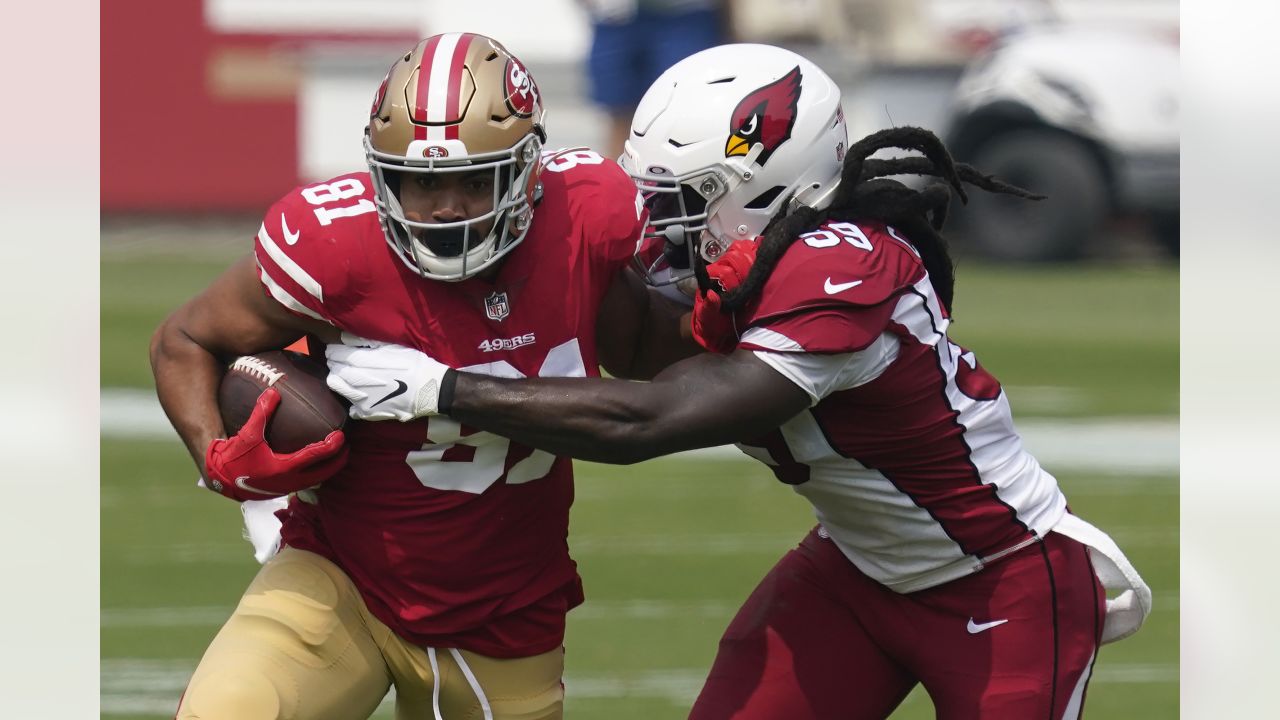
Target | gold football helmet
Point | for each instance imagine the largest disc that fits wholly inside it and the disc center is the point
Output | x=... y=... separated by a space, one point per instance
x=457 y=102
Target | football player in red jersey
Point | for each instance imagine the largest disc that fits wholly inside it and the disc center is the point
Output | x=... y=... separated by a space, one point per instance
x=424 y=555
x=944 y=554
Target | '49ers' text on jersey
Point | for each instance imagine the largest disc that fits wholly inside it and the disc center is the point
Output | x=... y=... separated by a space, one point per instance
x=455 y=538
x=908 y=453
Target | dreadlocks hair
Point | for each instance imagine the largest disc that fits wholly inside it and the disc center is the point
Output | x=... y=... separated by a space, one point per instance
x=865 y=192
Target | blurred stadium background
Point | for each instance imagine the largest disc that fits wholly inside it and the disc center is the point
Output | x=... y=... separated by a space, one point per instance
x=257 y=96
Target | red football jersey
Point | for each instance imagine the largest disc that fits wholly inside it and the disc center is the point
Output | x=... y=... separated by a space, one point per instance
x=908 y=454
x=456 y=538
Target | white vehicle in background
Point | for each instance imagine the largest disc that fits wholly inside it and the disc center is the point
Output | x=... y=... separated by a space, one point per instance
x=1085 y=114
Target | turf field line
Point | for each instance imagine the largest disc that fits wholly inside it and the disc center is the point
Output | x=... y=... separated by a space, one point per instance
x=748 y=542
x=1047 y=399
x=652 y=545
x=214 y=616
x=1113 y=445
x=593 y=610
x=613 y=610
x=229 y=551
x=164 y=617
x=1120 y=485
x=694 y=544
x=1145 y=537
x=137 y=686
x=663 y=545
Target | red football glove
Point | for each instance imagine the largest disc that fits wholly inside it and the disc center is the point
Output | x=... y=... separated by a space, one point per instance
x=244 y=467
x=712 y=327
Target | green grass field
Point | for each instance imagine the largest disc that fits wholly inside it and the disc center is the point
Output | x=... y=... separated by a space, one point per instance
x=668 y=549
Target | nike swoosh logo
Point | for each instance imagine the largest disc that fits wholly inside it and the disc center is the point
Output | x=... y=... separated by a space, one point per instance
x=400 y=388
x=290 y=236
x=833 y=288
x=975 y=628
x=240 y=483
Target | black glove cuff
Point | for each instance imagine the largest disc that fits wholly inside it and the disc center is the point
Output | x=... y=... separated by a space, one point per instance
x=447 y=385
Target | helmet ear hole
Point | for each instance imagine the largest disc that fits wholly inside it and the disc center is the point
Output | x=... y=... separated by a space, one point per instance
x=765 y=199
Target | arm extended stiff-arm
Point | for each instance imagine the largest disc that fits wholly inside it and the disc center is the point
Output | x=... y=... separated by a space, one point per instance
x=703 y=401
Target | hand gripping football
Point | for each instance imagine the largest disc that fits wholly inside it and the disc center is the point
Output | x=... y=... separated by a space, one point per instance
x=308 y=410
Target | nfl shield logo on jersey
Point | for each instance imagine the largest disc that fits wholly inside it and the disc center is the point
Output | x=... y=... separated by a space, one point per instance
x=496 y=306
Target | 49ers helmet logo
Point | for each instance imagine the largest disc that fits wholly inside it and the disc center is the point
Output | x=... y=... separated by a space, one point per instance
x=765 y=116
x=382 y=89
x=520 y=90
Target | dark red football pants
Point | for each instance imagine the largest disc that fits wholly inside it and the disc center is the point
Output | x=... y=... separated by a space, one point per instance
x=819 y=639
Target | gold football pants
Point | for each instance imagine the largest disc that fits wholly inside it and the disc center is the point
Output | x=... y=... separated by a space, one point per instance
x=302 y=646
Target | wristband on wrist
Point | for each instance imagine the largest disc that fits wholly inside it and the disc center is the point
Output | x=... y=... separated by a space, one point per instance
x=447 y=383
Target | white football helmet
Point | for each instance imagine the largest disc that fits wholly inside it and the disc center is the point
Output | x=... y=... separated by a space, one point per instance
x=720 y=141
x=457 y=102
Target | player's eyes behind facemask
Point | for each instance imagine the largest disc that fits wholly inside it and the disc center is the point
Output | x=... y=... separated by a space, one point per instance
x=458 y=239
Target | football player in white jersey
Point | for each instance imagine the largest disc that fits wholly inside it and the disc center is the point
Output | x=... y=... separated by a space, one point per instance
x=944 y=553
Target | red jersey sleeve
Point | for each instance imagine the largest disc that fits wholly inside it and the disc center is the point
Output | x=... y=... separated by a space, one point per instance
x=835 y=289
x=308 y=250
x=606 y=204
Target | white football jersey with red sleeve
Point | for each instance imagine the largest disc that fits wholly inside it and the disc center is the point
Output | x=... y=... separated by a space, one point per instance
x=455 y=537
x=908 y=453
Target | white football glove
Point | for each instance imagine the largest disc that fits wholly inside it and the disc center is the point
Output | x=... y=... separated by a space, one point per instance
x=385 y=381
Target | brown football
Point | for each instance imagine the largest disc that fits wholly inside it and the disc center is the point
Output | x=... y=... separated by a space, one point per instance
x=308 y=409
